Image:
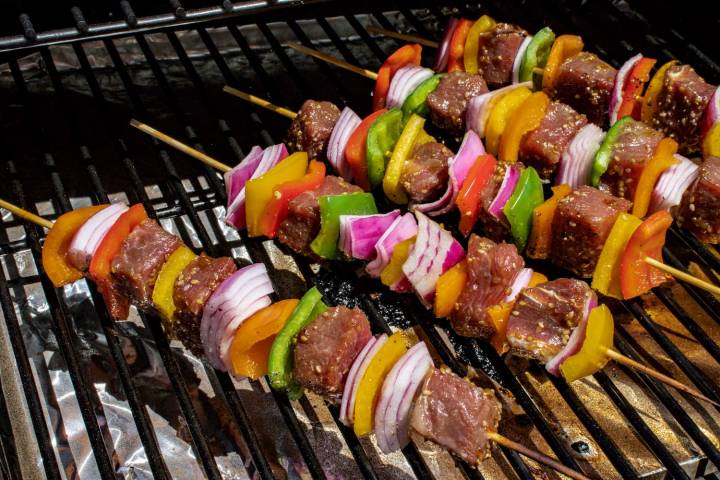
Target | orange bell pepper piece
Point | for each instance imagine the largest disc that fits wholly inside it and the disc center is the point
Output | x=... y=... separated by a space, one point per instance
x=636 y=275
x=501 y=112
x=448 y=289
x=468 y=199
x=525 y=119
x=711 y=142
x=457 y=46
x=356 y=150
x=54 y=251
x=541 y=232
x=663 y=158
x=403 y=56
x=647 y=110
x=565 y=46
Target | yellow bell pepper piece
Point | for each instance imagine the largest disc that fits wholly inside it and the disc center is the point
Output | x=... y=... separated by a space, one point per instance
x=472 y=43
x=592 y=356
x=565 y=46
x=369 y=388
x=448 y=289
x=711 y=143
x=663 y=158
x=647 y=110
x=526 y=118
x=259 y=191
x=403 y=150
x=606 y=278
x=500 y=114
x=424 y=137
x=393 y=273
x=162 y=295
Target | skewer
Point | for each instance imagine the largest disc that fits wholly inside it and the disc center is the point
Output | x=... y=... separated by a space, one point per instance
x=261 y=102
x=404 y=36
x=22 y=213
x=335 y=61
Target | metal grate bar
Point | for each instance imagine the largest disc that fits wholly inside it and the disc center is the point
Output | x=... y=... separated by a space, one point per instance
x=9 y=463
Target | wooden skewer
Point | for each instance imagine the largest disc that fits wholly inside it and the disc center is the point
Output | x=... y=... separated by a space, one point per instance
x=22 y=213
x=404 y=36
x=685 y=277
x=334 y=61
x=260 y=102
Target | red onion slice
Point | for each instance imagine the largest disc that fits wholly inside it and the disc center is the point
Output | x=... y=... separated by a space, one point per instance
x=357 y=371
x=443 y=52
x=621 y=78
x=672 y=184
x=577 y=337
x=401 y=229
x=343 y=130
x=479 y=107
x=712 y=113
x=404 y=82
x=519 y=58
x=236 y=178
x=522 y=279
x=91 y=233
x=360 y=233
x=507 y=187
x=577 y=159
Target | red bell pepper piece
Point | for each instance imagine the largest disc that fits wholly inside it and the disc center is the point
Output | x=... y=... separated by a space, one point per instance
x=633 y=88
x=468 y=199
x=100 y=272
x=356 y=150
x=457 y=46
x=636 y=275
x=405 y=55
x=277 y=209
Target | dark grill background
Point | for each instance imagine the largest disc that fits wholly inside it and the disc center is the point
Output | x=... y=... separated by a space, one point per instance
x=65 y=136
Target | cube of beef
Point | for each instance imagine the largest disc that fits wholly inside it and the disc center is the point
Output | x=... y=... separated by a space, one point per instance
x=496 y=55
x=699 y=210
x=425 y=174
x=448 y=103
x=310 y=130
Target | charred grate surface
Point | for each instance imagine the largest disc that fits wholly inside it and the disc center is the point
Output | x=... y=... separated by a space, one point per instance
x=104 y=400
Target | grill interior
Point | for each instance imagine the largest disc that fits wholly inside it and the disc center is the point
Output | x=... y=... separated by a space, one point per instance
x=86 y=397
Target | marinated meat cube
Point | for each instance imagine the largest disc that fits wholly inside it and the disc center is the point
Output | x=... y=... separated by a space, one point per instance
x=492 y=268
x=425 y=174
x=311 y=129
x=142 y=254
x=456 y=414
x=449 y=101
x=496 y=55
x=492 y=227
x=680 y=106
x=699 y=210
x=325 y=350
x=192 y=290
x=303 y=222
x=633 y=149
x=543 y=147
x=581 y=224
x=544 y=316
x=585 y=83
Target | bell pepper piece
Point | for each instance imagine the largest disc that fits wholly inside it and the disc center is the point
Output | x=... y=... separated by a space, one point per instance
x=604 y=155
x=277 y=208
x=472 y=43
x=280 y=361
x=663 y=158
x=636 y=276
x=54 y=252
x=405 y=55
x=393 y=273
x=647 y=110
x=536 y=56
x=331 y=207
x=468 y=199
x=416 y=102
x=592 y=356
x=565 y=46
x=500 y=114
x=370 y=384
x=499 y=315
x=457 y=46
x=162 y=295
x=403 y=149
x=449 y=287
x=253 y=341
x=356 y=150
x=606 y=278
x=541 y=231
x=381 y=140
x=711 y=142
x=536 y=279
x=525 y=118
x=518 y=210
x=259 y=191
x=632 y=90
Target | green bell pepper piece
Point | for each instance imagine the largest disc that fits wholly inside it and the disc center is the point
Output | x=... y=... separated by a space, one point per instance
x=536 y=56
x=331 y=207
x=280 y=361
x=518 y=210
x=381 y=139
x=416 y=101
x=605 y=152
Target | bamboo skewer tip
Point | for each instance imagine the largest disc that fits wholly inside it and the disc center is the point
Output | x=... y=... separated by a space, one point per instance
x=684 y=276
x=333 y=60
x=403 y=36
x=27 y=215
x=261 y=102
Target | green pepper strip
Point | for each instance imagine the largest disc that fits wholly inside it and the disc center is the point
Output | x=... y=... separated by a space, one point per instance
x=605 y=152
x=416 y=101
x=280 y=360
x=519 y=208
x=536 y=55
x=331 y=207
x=381 y=139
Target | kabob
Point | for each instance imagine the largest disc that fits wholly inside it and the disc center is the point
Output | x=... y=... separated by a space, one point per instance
x=385 y=384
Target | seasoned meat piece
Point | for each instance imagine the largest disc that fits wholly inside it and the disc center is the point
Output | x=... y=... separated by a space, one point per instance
x=192 y=290
x=581 y=224
x=303 y=222
x=543 y=147
x=448 y=102
x=544 y=316
x=492 y=268
x=633 y=149
x=456 y=414
x=496 y=54
x=425 y=174
x=585 y=83
x=326 y=349
x=680 y=106
x=141 y=256
x=699 y=210
x=311 y=129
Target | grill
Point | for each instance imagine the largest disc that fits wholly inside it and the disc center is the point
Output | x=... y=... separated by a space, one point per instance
x=83 y=397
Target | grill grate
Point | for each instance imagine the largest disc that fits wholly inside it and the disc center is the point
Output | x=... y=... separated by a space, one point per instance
x=66 y=145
